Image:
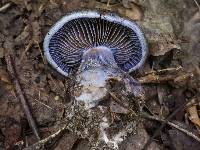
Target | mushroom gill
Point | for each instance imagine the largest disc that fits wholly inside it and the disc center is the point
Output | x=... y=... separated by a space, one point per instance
x=78 y=32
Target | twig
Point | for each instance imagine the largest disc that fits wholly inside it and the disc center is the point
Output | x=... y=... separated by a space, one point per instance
x=30 y=44
x=43 y=104
x=189 y=133
x=153 y=78
x=197 y=5
x=182 y=106
x=38 y=45
x=108 y=3
x=12 y=73
x=42 y=143
x=164 y=70
x=6 y=6
x=118 y=101
x=165 y=75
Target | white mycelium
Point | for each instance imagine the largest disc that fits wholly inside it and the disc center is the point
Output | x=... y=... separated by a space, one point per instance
x=115 y=140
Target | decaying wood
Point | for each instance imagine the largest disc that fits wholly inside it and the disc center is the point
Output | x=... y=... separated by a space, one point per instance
x=175 y=75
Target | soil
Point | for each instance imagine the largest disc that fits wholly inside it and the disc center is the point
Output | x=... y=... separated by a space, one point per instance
x=170 y=76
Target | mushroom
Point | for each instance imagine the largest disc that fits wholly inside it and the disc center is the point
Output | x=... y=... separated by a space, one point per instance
x=96 y=46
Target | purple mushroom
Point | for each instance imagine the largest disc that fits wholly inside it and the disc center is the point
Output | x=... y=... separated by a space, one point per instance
x=95 y=46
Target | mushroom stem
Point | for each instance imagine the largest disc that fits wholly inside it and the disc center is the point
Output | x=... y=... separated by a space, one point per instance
x=98 y=57
x=97 y=66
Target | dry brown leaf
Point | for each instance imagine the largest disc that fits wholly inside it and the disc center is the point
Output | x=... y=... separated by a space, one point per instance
x=194 y=117
x=23 y=36
x=138 y=140
x=23 y=4
x=160 y=24
x=134 y=12
x=165 y=44
x=127 y=3
x=191 y=32
x=4 y=77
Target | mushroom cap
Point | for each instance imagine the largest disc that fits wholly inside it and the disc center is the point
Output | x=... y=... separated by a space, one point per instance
x=79 y=31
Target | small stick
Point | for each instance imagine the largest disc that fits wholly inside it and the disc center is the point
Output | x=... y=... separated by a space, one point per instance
x=6 y=6
x=182 y=106
x=197 y=5
x=43 y=104
x=26 y=49
x=12 y=72
x=164 y=70
x=108 y=3
x=38 y=45
x=42 y=143
x=153 y=78
x=172 y=125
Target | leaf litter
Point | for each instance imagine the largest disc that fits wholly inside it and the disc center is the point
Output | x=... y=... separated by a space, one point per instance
x=172 y=29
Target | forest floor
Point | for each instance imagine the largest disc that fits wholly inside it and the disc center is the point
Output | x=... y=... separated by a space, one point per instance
x=170 y=76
